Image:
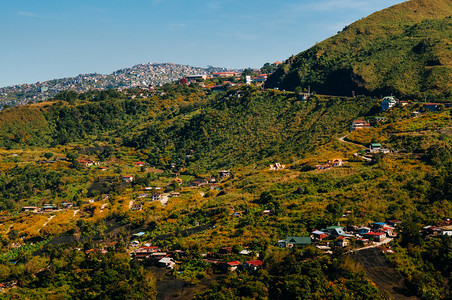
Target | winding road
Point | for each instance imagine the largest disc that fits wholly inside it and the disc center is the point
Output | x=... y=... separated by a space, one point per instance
x=342 y=139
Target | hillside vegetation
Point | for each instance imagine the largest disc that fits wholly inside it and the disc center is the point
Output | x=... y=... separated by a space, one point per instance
x=187 y=127
x=188 y=133
x=405 y=50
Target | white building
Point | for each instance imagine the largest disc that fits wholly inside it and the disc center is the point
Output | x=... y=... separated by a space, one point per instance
x=388 y=102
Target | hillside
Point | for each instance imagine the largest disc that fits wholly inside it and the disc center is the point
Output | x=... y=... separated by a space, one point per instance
x=187 y=126
x=404 y=50
x=72 y=154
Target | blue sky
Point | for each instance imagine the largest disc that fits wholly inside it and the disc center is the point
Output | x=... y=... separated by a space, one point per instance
x=47 y=39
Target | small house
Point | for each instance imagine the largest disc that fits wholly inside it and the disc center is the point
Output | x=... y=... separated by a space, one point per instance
x=446 y=230
x=212 y=260
x=297 y=241
x=336 y=231
x=336 y=162
x=277 y=167
x=363 y=230
x=156 y=197
x=224 y=173
x=252 y=265
x=388 y=230
x=319 y=235
x=232 y=265
x=49 y=208
x=67 y=204
x=375 y=147
x=140 y=164
x=33 y=209
x=149 y=249
x=282 y=243
x=86 y=163
x=342 y=241
x=145 y=252
x=393 y=223
x=388 y=102
x=136 y=207
x=167 y=262
x=226 y=251
x=376 y=236
x=247 y=252
x=431 y=230
x=127 y=178
x=359 y=124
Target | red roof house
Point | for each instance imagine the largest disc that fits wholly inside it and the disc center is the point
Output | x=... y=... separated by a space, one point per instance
x=253 y=265
x=233 y=265
x=376 y=236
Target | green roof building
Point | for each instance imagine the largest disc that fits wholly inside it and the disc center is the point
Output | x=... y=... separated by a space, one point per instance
x=298 y=241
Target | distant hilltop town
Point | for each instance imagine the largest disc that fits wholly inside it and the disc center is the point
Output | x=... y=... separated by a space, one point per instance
x=141 y=75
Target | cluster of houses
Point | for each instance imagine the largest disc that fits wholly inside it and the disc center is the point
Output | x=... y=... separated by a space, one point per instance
x=250 y=265
x=377 y=148
x=337 y=162
x=439 y=230
x=390 y=101
x=220 y=260
x=88 y=163
x=277 y=167
x=387 y=103
x=154 y=254
x=46 y=208
x=8 y=285
x=165 y=259
x=337 y=236
x=256 y=77
x=333 y=235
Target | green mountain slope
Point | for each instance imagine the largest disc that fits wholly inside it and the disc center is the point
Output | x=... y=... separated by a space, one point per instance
x=190 y=133
x=227 y=130
x=405 y=49
x=255 y=127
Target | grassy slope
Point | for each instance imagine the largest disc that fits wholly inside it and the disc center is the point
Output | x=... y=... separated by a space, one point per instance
x=257 y=127
x=399 y=186
x=24 y=125
x=405 y=49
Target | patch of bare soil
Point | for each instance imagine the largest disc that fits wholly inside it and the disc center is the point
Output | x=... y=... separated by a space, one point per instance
x=385 y=277
x=171 y=288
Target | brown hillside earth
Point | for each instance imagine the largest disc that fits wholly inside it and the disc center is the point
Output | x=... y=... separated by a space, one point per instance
x=383 y=274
